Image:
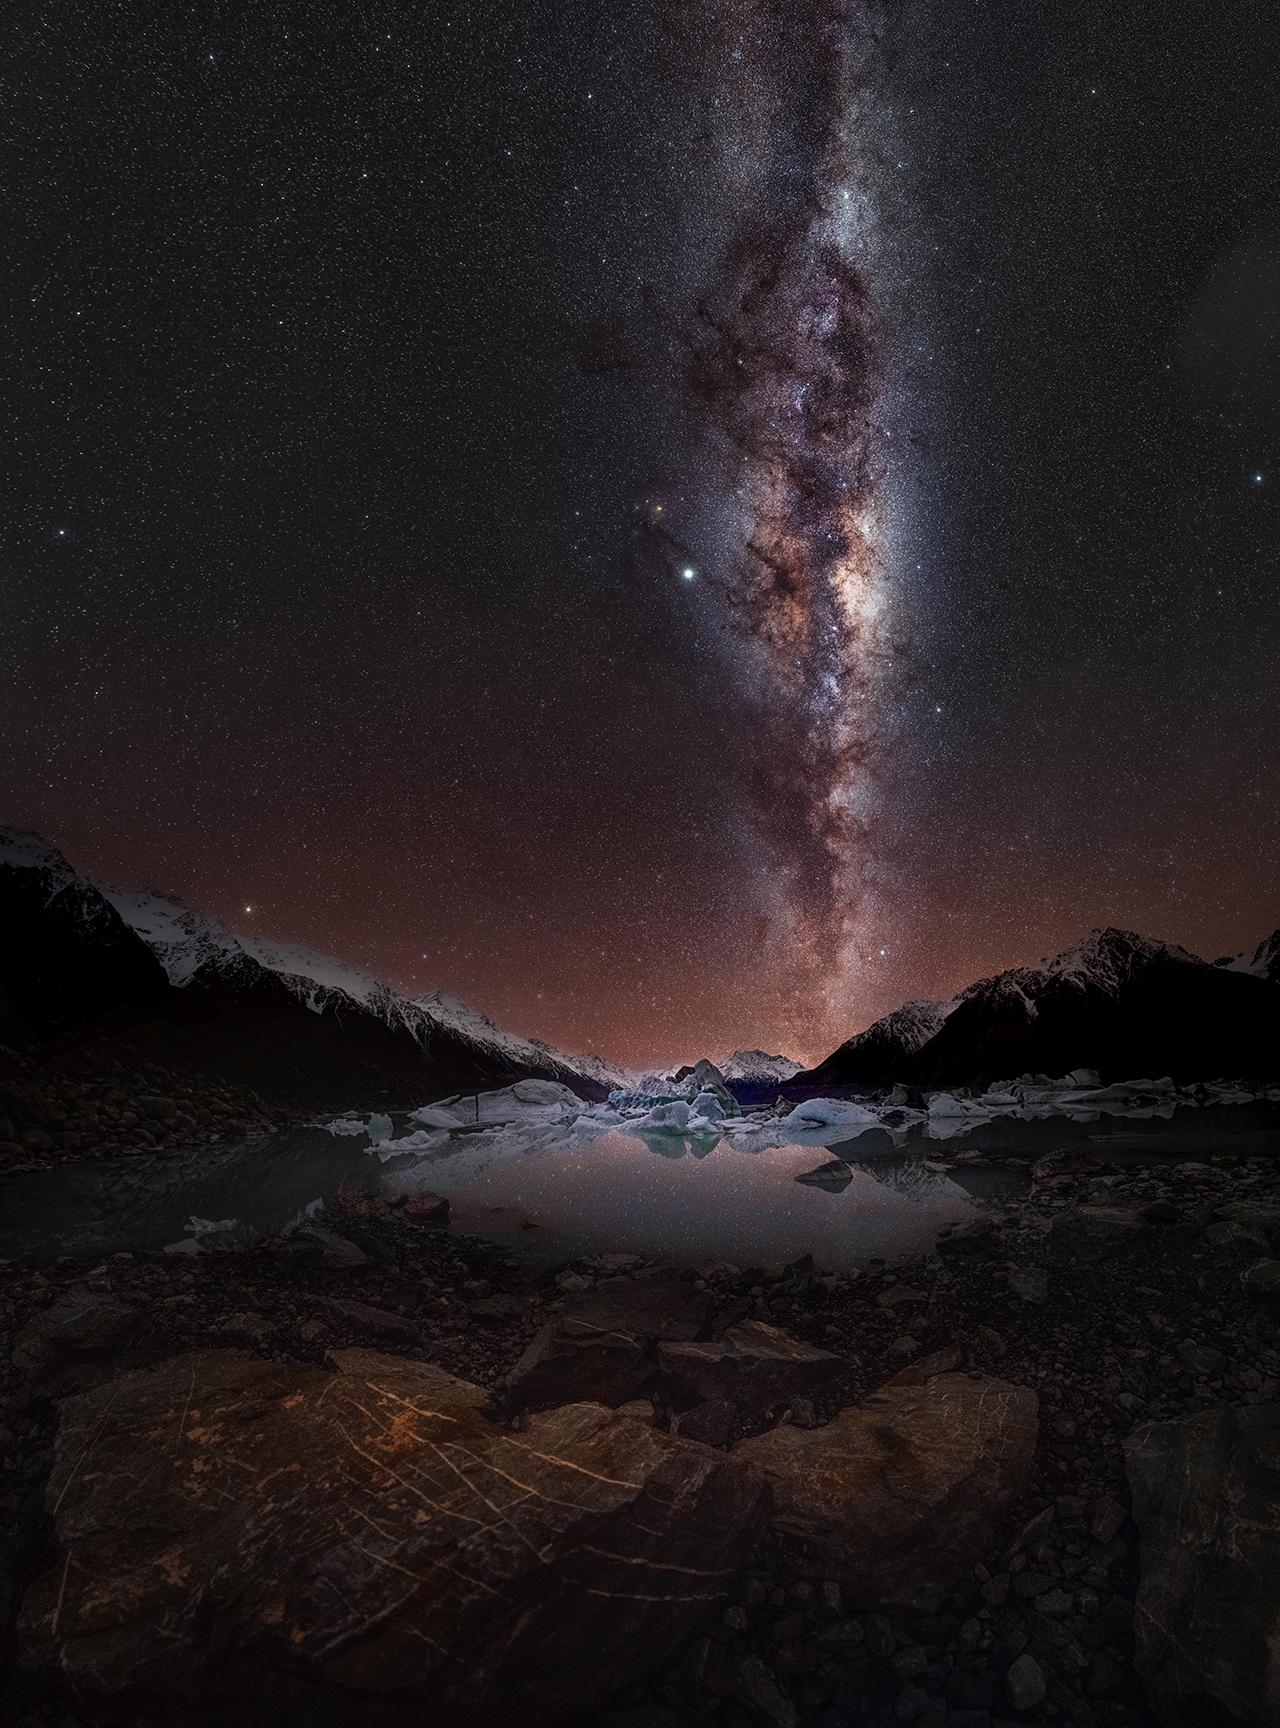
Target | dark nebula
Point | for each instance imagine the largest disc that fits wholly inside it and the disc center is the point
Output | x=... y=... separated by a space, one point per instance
x=685 y=524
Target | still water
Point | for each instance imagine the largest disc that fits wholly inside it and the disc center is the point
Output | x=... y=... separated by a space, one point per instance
x=549 y=1195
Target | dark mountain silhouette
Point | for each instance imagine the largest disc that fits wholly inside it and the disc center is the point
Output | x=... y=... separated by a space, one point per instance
x=141 y=972
x=1116 y=1002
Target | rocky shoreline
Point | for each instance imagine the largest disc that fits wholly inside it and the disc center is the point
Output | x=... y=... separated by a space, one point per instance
x=84 y=1099
x=953 y=1450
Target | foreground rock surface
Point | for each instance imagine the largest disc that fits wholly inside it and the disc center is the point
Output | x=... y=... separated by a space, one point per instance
x=754 y=1366
x=1208 y=1514
x=898 y=1496
x=369 y=1541
x=602 y=1346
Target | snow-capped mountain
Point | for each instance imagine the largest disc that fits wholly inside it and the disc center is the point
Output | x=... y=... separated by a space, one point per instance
x=757 y=1067
x=194 y=945
x=195 y=948
x=1115 y=1001
x=272 y=1014
x=183 y=941
x=445 y=1009
x=885 y=1048
x=66 y=955
x=1261 y=962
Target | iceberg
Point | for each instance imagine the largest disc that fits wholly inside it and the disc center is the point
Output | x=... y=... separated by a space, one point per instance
x=526 y=1101
x=672 y=1118
x=947 y=1104
x=436 y=1116
x=709 y=1107
x=829 y=1113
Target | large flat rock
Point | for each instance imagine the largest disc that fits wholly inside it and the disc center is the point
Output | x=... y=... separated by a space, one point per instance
x=602 y=1345
x=1206 y=1500
x=754 y=1366
x=900 y=1495
x=237 y=1535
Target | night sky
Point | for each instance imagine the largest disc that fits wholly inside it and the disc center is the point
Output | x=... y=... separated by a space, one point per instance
x=684 y=523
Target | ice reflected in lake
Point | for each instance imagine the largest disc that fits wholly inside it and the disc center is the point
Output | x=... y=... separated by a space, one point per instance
x=558 y=1183
x=712 y=1201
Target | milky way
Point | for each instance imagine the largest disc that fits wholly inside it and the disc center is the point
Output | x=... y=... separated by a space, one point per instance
x=789 y=376
x=375 y=374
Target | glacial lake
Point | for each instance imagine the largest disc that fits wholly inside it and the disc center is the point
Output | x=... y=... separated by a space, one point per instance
x=549 y=1196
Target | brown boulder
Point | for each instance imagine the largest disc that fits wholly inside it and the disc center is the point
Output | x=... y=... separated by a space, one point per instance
x=900 y=1495
x=366 y=1321
x=250 y=1537
x=601 y=1346
x=81 y=1336
x=711 y=1424
x=568 y=1361
x=755 y=1366
x=657 y=1303
x=1208 y=1607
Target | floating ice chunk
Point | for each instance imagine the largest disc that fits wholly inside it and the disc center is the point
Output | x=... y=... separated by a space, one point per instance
x=947 y=1104
x=345 y=1125
x=830 y=1113
x=644 y=1097
x=422 y=1140
x=379 y=1129
x=526 y=1101
x=214 y=1235
x=672 y=1118
x=436 y=1116
x=1123 y=1092
x=710 y=1106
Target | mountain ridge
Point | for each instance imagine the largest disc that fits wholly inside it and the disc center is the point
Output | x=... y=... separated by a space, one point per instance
x=1115 y=1000
x=85 y=957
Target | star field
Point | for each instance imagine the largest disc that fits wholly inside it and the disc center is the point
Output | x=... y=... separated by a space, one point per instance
x=383 y=513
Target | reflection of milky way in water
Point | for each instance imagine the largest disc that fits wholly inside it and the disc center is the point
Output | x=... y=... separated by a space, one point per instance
x=620 y=1194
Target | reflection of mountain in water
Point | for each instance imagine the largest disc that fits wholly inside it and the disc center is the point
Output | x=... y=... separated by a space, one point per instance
x=913 y=1181
x=672 y=1195
x=679 y=1145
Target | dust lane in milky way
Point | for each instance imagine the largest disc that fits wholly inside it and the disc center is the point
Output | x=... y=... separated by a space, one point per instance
x=790 y=381
x=375 y=375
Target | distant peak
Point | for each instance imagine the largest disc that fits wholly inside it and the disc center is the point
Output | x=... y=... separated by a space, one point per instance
x=758 y=1066
x=1108 y=956
x=25 y=849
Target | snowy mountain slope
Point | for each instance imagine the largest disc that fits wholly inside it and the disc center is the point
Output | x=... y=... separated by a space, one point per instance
x=884 y=1051
x=446 y=1009
x=757 y=1067
x=1260 y=962
x=1103 y=961
x=66 y=955
x=181 y=939
x=195 y=948
x=1115 y=1001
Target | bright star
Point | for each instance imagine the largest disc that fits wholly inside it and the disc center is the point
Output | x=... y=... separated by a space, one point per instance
x=688 y=572
x=248 y=908
x=1257 y=479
